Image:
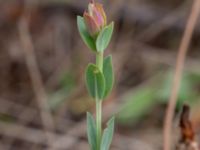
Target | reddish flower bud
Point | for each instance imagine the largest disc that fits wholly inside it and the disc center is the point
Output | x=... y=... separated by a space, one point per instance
x=95 y=18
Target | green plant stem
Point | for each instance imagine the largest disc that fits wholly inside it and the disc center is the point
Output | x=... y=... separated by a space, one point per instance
x=99 y=63
x=99 y=60
x=98 y=122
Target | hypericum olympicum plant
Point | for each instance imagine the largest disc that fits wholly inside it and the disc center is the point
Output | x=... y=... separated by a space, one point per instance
x=96 y=34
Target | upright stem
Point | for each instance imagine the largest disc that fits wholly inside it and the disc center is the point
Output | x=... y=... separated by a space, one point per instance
x=99 y=63
x=99 y=60
x=98 y=122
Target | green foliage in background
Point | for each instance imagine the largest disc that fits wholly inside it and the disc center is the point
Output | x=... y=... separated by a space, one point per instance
x=139 y=102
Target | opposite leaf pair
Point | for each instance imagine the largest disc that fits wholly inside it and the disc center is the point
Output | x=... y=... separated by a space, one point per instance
x=106 y=137
x=100 y=83
x=99 y=43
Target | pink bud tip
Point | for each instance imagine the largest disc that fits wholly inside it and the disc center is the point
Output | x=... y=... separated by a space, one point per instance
x=95 y=17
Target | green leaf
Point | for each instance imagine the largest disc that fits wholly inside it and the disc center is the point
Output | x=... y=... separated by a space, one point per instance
x=185 y=90
x=108 y=135
x=95 y=81
x=108 y=74
x=138 y=103
x=104 y=37
x=91 y=131
x=88 y=40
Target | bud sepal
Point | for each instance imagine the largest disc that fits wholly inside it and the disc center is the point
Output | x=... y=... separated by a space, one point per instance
x=104 y=37
x=88 y=40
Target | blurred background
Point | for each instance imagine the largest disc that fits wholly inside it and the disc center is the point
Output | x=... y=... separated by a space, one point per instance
x=43 y=98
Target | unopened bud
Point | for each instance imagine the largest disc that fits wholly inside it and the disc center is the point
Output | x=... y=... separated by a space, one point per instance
x=95 y=18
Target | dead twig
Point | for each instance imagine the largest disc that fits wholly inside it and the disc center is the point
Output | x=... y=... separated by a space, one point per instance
x=178 y=73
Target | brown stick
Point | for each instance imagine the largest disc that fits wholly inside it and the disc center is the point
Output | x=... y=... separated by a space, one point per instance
x=178 y=73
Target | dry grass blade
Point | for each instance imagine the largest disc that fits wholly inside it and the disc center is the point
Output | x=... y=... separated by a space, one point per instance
x=37 y=83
